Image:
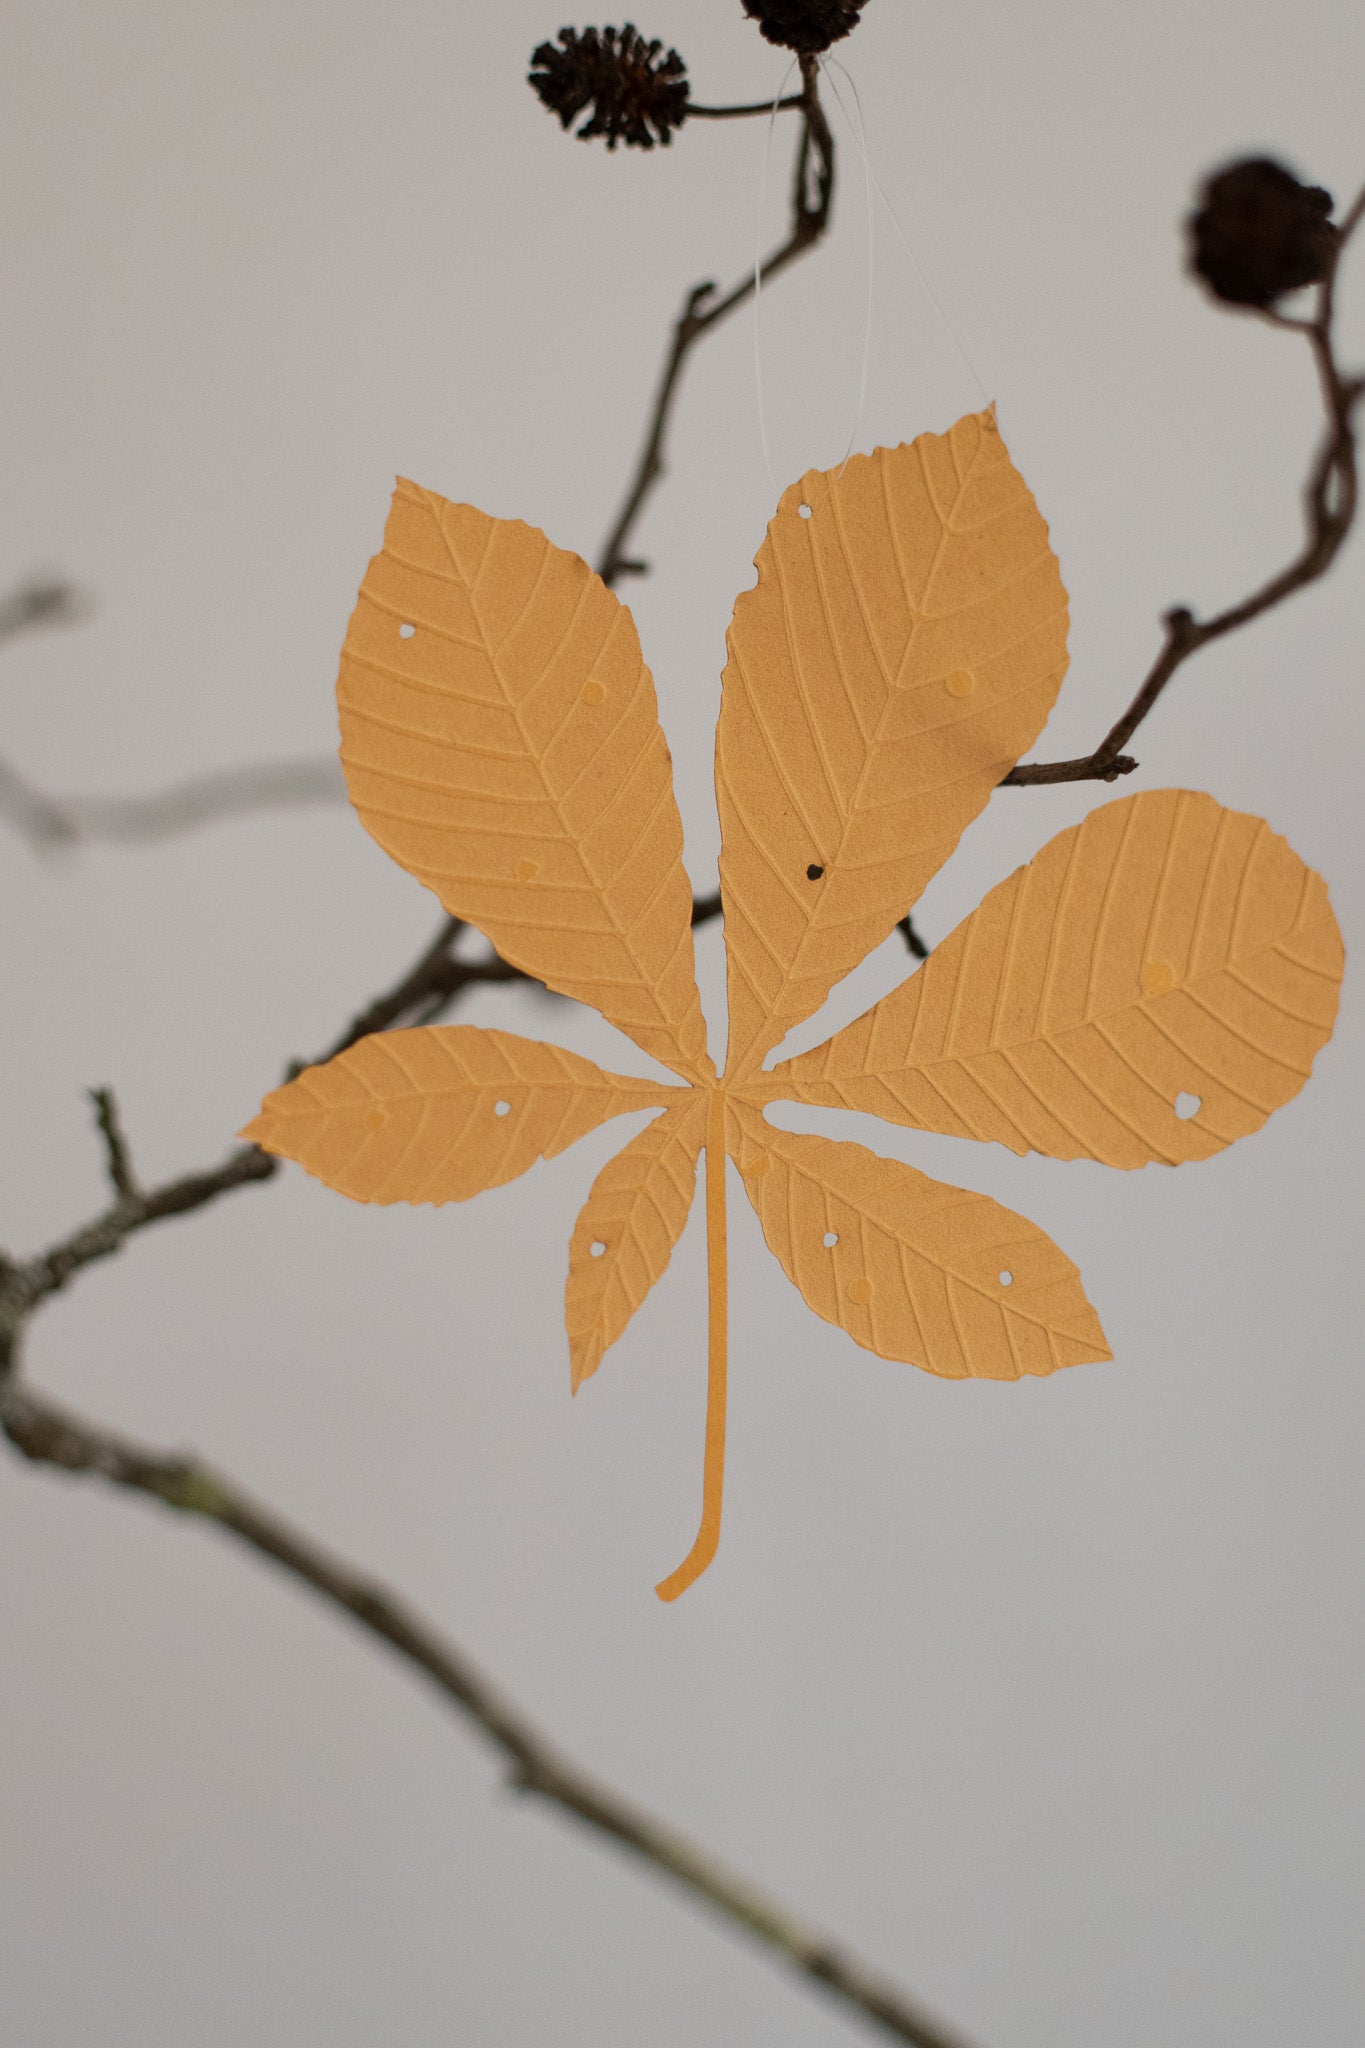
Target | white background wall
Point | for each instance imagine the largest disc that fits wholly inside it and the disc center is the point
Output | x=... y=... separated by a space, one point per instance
x=1048 y=1695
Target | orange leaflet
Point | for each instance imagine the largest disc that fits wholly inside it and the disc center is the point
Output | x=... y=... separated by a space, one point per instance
x=1150 y=987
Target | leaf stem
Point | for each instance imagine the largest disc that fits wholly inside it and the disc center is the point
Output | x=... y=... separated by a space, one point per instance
x=717 y=1270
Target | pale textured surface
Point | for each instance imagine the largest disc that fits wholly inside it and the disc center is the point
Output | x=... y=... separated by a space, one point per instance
x=1046 y=1695
x=635 y=1215
x=901 y=649
x=928 y=1274
x=506 y=748
x=441 y=1113
x=1167 y=947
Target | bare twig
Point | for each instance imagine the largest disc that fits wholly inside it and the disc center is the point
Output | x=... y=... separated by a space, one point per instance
x=437 y=979
x=48 y=821
x=39 y=604
x=694 y=112
x=40 y=819
x=28 y=1284
x=53 y=1436
x=119 y=1158
x=1330 y=499
x=812 y=201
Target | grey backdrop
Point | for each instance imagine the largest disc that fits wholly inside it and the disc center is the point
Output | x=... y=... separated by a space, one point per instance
x=1047 y=1695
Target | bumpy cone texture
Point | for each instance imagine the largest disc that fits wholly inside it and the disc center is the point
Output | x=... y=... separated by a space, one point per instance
x=805 y=25
x=633 y=91
x=1258 y=233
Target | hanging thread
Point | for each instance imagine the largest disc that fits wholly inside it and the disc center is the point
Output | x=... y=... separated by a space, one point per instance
x=828 y=66
x=758 y=269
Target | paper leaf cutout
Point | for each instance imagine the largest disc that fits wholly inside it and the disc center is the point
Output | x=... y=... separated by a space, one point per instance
x=1164 y=950
x=902 y=647
x=441 y=1113
x=625 y=1235
x=912 y=1269
x=501 y=740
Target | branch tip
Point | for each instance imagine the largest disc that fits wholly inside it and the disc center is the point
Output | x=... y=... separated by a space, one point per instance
x=118 y=1157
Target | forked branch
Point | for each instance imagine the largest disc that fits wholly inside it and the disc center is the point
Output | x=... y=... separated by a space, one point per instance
x=54 y=1436
x=1331 y=495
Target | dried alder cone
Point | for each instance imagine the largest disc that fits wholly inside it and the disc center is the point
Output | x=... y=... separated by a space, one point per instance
x=805 y=25
x=1258 y=233
x=637 y=94
x=901 y=648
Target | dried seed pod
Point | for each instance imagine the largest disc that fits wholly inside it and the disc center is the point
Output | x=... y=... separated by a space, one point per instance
x=1258 y=233
x=635 y=93
x=805 y=25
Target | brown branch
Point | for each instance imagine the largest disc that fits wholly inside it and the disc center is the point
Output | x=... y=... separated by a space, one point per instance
x=24 y=1286
x=918 y=949
x=438 y=977
x=812 y=201
x=53 y=1436
x=704 y=908
x=796 y=99
x=436 y=980
x=48 y=821
x=1330 y=501
x=118 y=1157
x=39 y=604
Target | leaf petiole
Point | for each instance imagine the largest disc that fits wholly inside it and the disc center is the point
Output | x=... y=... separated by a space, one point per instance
x=713 y=1466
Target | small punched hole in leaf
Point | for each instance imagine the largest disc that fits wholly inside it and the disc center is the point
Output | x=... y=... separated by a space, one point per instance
x=406 y=631
x=804 y=510
x=501 y=1108
x=1187 y=1105
x=814 y=871
x=1007 y=1279
x=830 y=1239
x=597 y=1248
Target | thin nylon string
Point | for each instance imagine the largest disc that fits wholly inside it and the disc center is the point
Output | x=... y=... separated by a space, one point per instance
x=828 y=67
x=758 y=279
x=861 y=140
x=758 y=271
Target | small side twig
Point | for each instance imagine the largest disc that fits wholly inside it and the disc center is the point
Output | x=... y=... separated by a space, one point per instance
x=119 y=1158
x=438 y=976
x=1330 y=501
x=918 y=949
x=53 y=1436
x=812 y=203
x=34 y=1281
